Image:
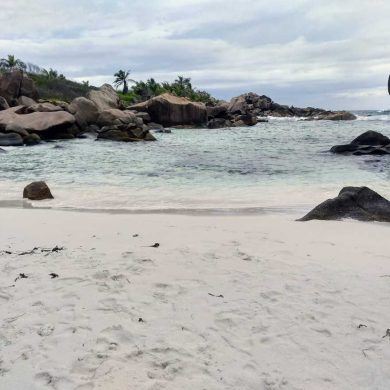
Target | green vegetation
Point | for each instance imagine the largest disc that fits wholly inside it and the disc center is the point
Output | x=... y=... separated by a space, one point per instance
x=50 y=84
x=59 y=88
x=144 y=90
x=122 y=78
x=11 y=63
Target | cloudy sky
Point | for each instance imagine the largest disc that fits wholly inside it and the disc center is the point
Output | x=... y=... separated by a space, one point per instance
x=328 y=53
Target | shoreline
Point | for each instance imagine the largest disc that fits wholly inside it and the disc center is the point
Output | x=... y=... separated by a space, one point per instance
x=209 y=211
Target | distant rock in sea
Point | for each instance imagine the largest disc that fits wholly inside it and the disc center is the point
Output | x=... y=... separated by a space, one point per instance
x=368 y=143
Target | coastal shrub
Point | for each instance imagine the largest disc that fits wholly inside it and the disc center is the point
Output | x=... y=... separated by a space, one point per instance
x=182 y=86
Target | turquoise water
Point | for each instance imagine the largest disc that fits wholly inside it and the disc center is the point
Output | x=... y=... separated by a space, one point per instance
x=280 y=164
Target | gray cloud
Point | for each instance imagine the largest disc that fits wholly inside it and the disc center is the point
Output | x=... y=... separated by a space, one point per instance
x=326 y=53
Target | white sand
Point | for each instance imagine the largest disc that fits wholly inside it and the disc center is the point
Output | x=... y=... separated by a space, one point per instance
x=294 y=295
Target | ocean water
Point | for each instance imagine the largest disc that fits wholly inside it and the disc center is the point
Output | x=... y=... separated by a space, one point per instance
x=283 y=165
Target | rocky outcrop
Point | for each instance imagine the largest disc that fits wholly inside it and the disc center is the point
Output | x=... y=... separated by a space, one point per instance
x=219 y=123
x=170 y=110
x=104 y=98
x=244 y=109
x=359 y=203
x=115 y=116
x=370 y=142
x=38 y=190
x=237 y=113
x=249 y=103
x=125 y=133
x=16 y=84
x=84 y=110
x=46 y=124
x=337 y=116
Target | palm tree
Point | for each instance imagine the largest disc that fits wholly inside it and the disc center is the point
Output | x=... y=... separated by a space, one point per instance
x=122 y=78
x=11 y=63
x=50 y=74
x=182 y=86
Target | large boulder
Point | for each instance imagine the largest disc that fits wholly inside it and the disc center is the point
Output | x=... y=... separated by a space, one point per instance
x=108 y=117
x=170 y=110
x=11 y=139
x=38 y=190
x=370 y=142
x=46 y=124
x=15 y=84
x=359 y=203
x=26 y=101
x=44 y=107
x=104 y=98
x=250 y=103
x=84 y=110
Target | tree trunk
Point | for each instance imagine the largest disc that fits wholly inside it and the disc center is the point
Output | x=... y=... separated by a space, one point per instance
x=125 y=87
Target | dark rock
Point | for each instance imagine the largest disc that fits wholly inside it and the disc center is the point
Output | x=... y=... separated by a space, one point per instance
x=338 y=116
x=359 y=203
x=247 y=119
x=11 y=139
x=370 y=143
x=32 y=139
x=219 y=123
x=218 y=111
x=170 y=110
x=3 y=104
x=125 y=133
x=371 y=138
x=2 y=151
x=38 y=190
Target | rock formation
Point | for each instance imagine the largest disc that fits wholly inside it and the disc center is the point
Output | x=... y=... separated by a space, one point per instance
x=15 y=84
x=104 y=98
x=370 y=142
x=170 y=110
x=359 y=203
x=38 y=190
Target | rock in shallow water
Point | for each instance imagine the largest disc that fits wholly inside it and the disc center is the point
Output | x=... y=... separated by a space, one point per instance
x=370 y=142
x=38 y=190
x=359 y=203
x=11 y=139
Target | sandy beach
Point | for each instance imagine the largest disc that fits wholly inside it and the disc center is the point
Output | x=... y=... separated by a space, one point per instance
x=225 y=302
